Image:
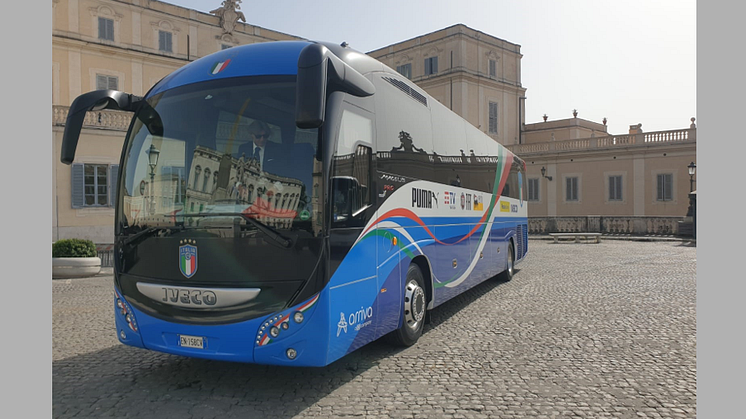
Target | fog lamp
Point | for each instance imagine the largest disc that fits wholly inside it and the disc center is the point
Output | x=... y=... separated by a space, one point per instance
x=291 y=353
x=298 y=317
x=285 y=325
x=274 y=331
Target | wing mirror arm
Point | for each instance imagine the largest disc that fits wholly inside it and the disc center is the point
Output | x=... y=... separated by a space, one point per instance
x=92 y=101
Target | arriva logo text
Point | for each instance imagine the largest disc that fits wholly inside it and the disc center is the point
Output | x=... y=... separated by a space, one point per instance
x=356 y=320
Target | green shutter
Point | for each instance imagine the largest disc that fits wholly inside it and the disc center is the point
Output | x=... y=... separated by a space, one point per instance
x=113 y=176
x=78 y=185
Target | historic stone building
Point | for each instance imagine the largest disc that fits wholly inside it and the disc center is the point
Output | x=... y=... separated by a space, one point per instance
x=631 y=183
x=126 y=45
x=579 y=176
x=129 y=45
x=474 y=74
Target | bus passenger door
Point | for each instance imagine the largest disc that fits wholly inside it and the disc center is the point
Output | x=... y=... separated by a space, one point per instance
x=354 y=283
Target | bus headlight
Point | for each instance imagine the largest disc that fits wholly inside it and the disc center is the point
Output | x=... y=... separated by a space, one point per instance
x=298 y=317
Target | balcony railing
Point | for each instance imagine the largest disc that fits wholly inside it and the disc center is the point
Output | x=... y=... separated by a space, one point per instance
x=108 y=120
x=626 y=140
x=623 y=225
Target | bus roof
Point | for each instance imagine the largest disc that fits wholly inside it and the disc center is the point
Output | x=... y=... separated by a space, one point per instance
x=265 y=58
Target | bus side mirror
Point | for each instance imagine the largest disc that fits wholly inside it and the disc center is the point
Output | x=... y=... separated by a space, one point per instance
x=321 y=72
x=96 y=101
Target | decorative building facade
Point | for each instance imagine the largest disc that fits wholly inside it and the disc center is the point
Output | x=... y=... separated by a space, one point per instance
x=130 y=45
x=474 y=74
x=126 y=45
x=637 y=181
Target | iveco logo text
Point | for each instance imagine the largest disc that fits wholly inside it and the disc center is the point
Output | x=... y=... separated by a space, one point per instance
x=196 y=297
x=422 y=198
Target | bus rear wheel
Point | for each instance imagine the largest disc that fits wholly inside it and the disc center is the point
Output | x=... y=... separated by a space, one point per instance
x=413 y=309
x=507 y=274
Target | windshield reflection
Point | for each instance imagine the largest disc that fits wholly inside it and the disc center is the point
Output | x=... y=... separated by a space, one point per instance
x=228 y=146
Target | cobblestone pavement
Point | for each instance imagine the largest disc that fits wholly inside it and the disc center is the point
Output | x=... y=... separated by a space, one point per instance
x=583 y=330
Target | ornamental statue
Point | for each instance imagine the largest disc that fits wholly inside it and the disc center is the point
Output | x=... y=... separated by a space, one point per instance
x=229 y=15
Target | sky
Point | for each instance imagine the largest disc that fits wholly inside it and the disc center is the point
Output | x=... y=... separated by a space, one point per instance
x=630 y=61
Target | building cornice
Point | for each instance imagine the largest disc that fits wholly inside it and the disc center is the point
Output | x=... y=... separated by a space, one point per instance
x=129 y=3
x=659 y=141
x=480 y=40
x=65 y=40
x=463 y=74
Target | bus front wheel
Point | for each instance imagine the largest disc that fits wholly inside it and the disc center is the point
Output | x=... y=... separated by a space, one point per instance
x=413 y=310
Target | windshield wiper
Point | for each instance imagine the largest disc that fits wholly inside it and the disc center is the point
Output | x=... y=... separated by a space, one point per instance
x=267 y=230
x=147 y=232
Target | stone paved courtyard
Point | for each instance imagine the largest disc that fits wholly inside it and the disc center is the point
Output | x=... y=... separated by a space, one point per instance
x=583 y=330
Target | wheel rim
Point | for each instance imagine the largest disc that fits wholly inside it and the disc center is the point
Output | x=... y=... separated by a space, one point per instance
x=414 y=305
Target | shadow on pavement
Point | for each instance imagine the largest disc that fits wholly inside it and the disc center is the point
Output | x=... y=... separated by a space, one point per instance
x=123 y=381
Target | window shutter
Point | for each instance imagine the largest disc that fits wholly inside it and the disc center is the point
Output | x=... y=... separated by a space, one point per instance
x=78 y=185
x=660 y=187
x=493 y=118
x=101 y=28
x=102 y=82
x=668 y=187
x=113 y=176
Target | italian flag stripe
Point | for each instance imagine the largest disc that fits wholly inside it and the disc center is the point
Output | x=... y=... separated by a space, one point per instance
x=217 y=68
x=308 y=305
x=279 y=322
x=188 y=265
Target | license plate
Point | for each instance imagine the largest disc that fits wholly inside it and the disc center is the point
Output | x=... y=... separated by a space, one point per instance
x=191 y=342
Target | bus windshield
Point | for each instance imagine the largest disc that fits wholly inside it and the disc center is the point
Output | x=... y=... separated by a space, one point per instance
x=229 y=153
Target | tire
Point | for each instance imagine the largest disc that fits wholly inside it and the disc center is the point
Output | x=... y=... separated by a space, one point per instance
x=507 y=274
x=414 y=308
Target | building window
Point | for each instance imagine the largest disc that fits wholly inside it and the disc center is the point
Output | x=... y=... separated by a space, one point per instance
x=665 y=187
x=493 y=68
x=431 y=65
x=93 y=185
x=493 y=118
x=165 y=43
x=405 y=70
x=571 y=189
x=105 y=29
x=533 y=189
x=615 y=188
x=207 y=181
x=104 y=82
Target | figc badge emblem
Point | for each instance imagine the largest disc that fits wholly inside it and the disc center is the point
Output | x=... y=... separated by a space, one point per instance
x=188 y=258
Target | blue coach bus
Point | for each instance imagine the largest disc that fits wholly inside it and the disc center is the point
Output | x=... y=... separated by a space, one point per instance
x=289 y=202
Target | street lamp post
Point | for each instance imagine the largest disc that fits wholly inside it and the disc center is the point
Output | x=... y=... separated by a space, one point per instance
x=543 y=173
x=692 y=169
x=692 y=199
x=153 y=154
